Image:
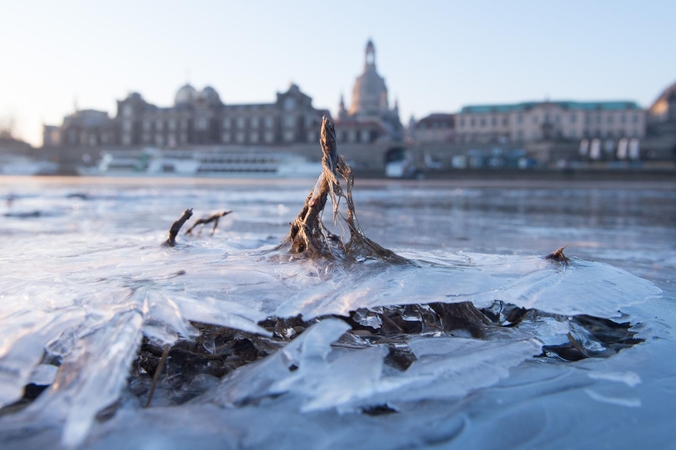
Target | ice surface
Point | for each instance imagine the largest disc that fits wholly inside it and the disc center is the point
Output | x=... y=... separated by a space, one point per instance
x=84 y=280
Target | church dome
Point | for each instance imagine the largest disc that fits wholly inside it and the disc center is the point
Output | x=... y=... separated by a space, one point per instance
x=369 y=94
x=210 y=96
x=186 y=94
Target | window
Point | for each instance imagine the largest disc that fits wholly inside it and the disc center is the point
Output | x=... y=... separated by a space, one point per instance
x=254 y=122
x=505 y=121
x=311 y=136
x=535 y=119
x=269 y=137
x=239 y=137
x=462 y=122
x=610 y=119
x=289 y=104
x=351 y=136
x=288 y=136
x=253 y=138
x=159 y=124
x=289 y=121
x=127 y=126
x=226 y=124
x=471 y=122
x=573 y=118
x=482 y=122
x=172 y=124
x=202 y=123
x=241 y=122
x=623 y=119
x=226 y=136
x=269 y=121
x=494 y=121
x=146 y=125
x=635 y=118
x=365 y=135
x=519 y=119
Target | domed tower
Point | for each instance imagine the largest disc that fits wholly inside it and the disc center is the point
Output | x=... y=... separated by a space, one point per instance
x=185 y=95
x=369 y=94
x=209 y=96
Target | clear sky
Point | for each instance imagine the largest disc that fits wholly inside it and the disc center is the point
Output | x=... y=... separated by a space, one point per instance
x=436 y=56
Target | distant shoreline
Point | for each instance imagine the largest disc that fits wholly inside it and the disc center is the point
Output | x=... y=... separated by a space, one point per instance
x=662 y=179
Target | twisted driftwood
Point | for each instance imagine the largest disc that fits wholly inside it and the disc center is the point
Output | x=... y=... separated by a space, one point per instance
x=309 y=236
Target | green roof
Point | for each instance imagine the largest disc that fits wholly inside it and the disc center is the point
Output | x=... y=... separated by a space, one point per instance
x=588 y=106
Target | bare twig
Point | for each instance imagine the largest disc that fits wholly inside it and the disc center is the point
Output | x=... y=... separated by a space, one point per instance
x=158 y=371
x=213 y=218
x=176 y=227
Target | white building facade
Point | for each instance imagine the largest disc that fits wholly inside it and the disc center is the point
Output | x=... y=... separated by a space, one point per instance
x=549 y=120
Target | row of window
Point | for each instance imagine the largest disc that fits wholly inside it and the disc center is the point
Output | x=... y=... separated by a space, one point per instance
x=572 y=118
x=520 y=135
x=202 y=123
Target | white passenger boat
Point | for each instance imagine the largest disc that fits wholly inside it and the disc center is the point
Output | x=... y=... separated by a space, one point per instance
x=195 y=163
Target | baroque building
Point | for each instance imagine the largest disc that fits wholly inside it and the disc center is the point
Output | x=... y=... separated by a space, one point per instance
x=196 y=118
x=369 y=117
x=549 y=121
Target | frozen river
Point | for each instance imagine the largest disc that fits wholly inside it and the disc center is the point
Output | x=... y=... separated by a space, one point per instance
x=85 y=280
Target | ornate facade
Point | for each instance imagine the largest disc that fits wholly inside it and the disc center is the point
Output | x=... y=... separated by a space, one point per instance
x=369 y=117
x=196 y=118
x=549 y=120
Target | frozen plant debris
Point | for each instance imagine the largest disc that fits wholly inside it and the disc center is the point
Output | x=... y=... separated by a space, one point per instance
x=309 y=236
x=212 y=218
x=176 y=227
x=558 y=256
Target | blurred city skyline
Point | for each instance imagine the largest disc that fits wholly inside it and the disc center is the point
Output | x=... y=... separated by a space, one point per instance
x=435 y=56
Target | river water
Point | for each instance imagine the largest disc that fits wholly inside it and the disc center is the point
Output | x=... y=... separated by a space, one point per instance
x=85 y=279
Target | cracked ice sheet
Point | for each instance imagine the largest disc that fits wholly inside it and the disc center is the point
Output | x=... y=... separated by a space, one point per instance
x=307 y=368
x=581 y=287
x=69 y=277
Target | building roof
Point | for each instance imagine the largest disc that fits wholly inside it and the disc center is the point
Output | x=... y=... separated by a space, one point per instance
x=438 y=117
x=660 y=104
x=525 y=106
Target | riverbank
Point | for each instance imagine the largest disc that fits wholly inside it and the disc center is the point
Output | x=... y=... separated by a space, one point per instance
x=460 y=179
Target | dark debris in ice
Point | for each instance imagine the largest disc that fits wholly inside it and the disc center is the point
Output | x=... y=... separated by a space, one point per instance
x=176 y=227
x=195 y=365
x=214 y=218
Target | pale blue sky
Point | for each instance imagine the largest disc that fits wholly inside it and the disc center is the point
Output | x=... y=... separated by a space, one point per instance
x=434 y=55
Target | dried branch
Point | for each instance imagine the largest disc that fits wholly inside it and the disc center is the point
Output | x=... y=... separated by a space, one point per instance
x=213 y=218
x=176 y=227
x=309 y=236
